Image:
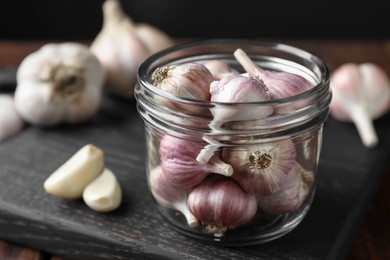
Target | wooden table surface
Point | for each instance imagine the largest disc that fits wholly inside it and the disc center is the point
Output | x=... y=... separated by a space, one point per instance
x=373 y=238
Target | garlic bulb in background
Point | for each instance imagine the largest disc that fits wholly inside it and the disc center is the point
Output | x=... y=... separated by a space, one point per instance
x=10 y=121
x=361 y=94
x=60 y=82
x=121 y=47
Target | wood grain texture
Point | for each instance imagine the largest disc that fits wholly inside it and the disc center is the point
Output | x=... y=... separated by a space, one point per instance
x=349 y=176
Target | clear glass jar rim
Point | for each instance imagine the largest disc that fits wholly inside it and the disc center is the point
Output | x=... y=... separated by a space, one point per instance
x=144 y=68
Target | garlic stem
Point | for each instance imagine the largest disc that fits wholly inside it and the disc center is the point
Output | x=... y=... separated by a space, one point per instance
x=245 y=61
x=183 y=208
x=365 y=126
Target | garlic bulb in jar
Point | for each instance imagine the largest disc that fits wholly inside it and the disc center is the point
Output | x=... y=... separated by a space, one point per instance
x=59 y=83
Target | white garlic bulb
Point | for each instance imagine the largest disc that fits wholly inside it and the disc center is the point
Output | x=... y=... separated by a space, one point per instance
x=122 y=45
x=60 y=82
x=10 y=121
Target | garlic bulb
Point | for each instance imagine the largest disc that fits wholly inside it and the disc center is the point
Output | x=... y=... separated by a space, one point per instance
x=170 y=196
x=178 y=161
x=10 y=121
x=121 y=47
x=292 y=193
x=279 y=84
x=59 y=83
x=360 y=94
x=221 y=204
x=219 y=69
x=188 y=80
x=261 y=168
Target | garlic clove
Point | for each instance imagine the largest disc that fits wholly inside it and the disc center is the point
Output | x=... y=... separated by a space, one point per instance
x=219 y=203
x=10 y=121
x=71 y=178
x=103 y=194
x=178 y=161
x=170 y=196
x=360 y=94
x=60 y=82
x=119 y=49
x=261 y=168
x=219 y=69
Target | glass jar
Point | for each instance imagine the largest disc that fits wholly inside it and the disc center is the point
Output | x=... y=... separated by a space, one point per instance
x=278 y=153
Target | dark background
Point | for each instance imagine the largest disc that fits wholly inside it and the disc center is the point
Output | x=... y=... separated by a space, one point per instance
x=82 y=19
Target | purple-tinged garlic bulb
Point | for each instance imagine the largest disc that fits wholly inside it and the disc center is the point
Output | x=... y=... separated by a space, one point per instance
x=235 y=88
x=189 y=80
x=279 y=84
x=170 y=196
x=219 y=203
x=219 y=68
x=178 y=160
x=286 y=199
x=261 y=168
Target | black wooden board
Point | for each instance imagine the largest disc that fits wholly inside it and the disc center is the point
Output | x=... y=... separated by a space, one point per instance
x=349 y=175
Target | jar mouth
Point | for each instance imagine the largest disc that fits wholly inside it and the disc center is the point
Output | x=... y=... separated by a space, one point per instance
x=299 y=61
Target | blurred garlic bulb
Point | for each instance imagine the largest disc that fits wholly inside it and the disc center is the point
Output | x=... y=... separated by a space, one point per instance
x=60 y=82
x=261 y=168
x=170 y=196
x=122 y=45
x=10 y=121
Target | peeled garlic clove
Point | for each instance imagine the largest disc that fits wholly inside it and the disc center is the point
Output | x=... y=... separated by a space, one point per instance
x=71 y=178
x=59 y=83
x=261 y=168
x=104 y=193
x=178 y=161
x=219 y=69
x=10 y=121
x=360 y=94
x=221 y=204
x=119 y=49
x=279 y=84
x=170 y=196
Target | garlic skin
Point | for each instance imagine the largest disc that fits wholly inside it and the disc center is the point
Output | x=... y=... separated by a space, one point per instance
x=178 y=161
x=280 y=84
x=188 y=80
x=122 y=45
x=291 y=194
x=170 y=196
x=219 y=69
x=103 y=194
x=261 y=168
x=10 y=121
x=59 y=83
x=360 y=94
x=72 y=177
x=221 y=204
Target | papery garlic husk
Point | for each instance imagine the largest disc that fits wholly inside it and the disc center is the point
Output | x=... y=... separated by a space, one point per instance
x=59 y=83
x=219 y=69
x=178 y=161
x=219 y=203
x=291 y=195
x=119 y=49
x=360 y=94
x=189 y=80
x=261 y=168
x=170 y=196
x=11 y=122
x=279 y=84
